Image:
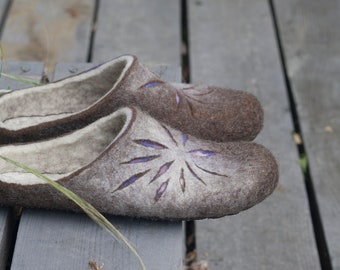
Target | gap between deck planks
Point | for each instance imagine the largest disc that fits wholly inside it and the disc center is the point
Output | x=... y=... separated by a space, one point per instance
x=309 y=30
x=57 y=31
x=4 y=236
x=62 y=240
x=149 y=29
x=232 y=43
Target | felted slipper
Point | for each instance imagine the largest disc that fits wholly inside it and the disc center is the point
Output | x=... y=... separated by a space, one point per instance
x=206 y=112
x=128 y=163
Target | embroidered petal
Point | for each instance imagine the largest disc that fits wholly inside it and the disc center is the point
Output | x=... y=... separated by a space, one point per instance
x=211 y=172
x=141 y=159
x=169 y=134
x=184 y=138
x=201 y=153
x=178 y=98
x=194 y=174
x=151 y=84
x=162 y=170
x=160 y=191
x=131 y=180
x=182 y=180
x=151 y=144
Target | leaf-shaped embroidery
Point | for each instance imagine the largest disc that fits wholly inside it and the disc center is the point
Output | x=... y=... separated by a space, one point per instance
x=202 y=153
x=169 y=134
x=178 y=98
x=160 y=191
x=151 y=84
x=211 y=172
x=151 y=144
x=184 y=138
x=131 y=180
x=162 y=170
x=141 y=159
x=194 y=174
x=182 y=180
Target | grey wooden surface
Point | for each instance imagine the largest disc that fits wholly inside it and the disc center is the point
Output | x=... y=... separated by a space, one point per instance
x=311 y=40
x=233 y=44
x=3 y=211
x=4 y=236
x=39 y=30
x=3 y=4
x=147 y=28
x=58 y=240
x=32 y=71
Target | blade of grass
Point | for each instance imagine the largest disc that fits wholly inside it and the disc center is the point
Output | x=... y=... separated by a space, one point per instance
x=3 y=91
x=84 y=205
x=19 y=79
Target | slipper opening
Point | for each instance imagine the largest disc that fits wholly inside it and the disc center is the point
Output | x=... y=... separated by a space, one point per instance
x=59 y=157
x=32 y=106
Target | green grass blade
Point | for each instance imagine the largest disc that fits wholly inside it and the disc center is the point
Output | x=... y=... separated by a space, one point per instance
x=303 y=162
x=84 y=205
x=19 y=79
x=3 y=91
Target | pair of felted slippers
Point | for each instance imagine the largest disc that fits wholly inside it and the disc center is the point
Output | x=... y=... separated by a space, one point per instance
x=134 y=145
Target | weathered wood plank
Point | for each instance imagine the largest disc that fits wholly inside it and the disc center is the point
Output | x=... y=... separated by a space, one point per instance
x=233 y=44
x=3 y=5
x=4 y=236
x=58 y=240
x=69 y=241
x=148 y=29
x=48 y=31
x=32 y=71
x=310 y=35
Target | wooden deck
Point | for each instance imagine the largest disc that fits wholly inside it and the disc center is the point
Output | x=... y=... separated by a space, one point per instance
x=285 y=52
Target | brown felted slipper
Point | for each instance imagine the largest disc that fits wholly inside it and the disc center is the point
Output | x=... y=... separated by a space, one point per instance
x=129 y=164
x=206 y=112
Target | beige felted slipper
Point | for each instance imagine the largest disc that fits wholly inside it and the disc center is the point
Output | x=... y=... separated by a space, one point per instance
x=206 y=112
x=128 y=163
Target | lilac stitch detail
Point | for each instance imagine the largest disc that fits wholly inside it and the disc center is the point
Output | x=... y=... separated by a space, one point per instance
x=202 y=153
x=151 y=84
x=151 y=144
x=184 y=138
x=131 y=180
x=194 y=174
x=178 y=98
x=182 y=180
x=141 y=159
x=160 y=191
x=162 y=170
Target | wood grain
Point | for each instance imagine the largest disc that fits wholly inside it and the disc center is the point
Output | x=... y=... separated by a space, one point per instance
x=310 y=35
x=148 y=29
x=232 y=43
x=3 y=5
x=4 y=236
x=59 y=240
x=48 y=31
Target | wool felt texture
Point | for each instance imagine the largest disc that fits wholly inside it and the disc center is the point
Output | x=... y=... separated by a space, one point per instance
x=129 y=164
x=51 y=110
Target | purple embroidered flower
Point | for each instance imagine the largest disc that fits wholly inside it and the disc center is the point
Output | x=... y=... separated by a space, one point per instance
x=188 y=167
